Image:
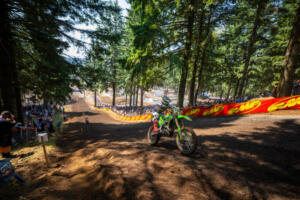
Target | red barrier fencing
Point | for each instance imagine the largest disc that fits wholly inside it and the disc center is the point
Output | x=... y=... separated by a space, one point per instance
x=254 y=106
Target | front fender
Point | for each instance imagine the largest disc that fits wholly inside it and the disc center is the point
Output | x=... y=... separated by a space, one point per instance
x=184 y=117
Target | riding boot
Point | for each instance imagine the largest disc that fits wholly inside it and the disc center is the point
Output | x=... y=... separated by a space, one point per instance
x=155 y=126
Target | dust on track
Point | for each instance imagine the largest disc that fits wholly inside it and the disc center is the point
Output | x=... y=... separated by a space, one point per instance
x=239 y=157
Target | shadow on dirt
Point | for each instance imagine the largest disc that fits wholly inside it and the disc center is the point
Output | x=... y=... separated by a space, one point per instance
x=134 y=131
x=266 y=162
x=71 y=115
x=263 y=164
x=212 y=122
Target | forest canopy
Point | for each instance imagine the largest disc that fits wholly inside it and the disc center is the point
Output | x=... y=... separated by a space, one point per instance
x=229 y=48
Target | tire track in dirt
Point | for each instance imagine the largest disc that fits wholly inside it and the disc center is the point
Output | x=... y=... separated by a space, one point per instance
x=235 y=159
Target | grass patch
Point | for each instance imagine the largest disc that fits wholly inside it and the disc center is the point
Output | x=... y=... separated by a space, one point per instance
x=50 y=144
x=32 y=150
x=58 y=118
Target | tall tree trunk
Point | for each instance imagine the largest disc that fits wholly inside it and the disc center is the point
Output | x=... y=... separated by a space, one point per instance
x=114 y=86
x=142 y=98
x=201 y=91
x=197 y=55
x=221 y=93
x=8 y=81
x=95 y=98
x=213 y=90
x=245 y=88
x=45 y=101
x=137 y=95
x=236 y=88
x=114 y=83
x=19 y=114
x=229 y=89
x=201 y=66
x=130 y=93
x=133 y=93
x=200 y=73
x=250 y=47
x=1 y=102
x=190 y=16
x=291 y=58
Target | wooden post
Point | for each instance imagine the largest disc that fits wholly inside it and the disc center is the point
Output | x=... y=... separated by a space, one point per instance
x=45 y=152
x=26 y=134
x=21 y=135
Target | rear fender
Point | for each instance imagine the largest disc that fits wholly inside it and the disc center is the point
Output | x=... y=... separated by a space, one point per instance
x=184 y=117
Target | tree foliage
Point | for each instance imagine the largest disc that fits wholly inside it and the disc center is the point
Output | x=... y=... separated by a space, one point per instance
x=228 y=48
x=33 y=37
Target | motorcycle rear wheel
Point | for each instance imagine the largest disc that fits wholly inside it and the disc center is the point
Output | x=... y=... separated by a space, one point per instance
x=188 y=144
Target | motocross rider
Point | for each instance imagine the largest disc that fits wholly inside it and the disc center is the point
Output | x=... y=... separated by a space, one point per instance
x=165 y=104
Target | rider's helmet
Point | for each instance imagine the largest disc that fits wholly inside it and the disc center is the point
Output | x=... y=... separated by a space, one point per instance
x=166 y=100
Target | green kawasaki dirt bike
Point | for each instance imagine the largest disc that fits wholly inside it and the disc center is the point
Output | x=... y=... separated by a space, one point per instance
x=169 y=124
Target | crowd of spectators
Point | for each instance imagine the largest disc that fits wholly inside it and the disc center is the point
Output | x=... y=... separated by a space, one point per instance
x=136 y=110
x=129 y=111
x=40 y=116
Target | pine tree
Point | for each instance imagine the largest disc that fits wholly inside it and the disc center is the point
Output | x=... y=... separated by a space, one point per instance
x=291 y=58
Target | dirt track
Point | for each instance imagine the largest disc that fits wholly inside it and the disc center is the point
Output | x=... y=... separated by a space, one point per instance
x=254 y=157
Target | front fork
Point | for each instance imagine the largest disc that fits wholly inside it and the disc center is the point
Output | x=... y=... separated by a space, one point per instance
x=178 y=129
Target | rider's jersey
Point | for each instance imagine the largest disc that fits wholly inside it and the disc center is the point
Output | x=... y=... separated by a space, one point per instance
x=161 y=108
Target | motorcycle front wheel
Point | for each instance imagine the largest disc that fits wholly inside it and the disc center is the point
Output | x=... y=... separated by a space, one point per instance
x=152 y=138
x=188 y=144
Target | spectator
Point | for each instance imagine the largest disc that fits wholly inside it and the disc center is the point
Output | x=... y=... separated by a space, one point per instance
x=40 y=125
x=275 y=91
x=26 y=114
x=49 y=126
x=296 y=89
x=7 y=123
x=261 y=95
